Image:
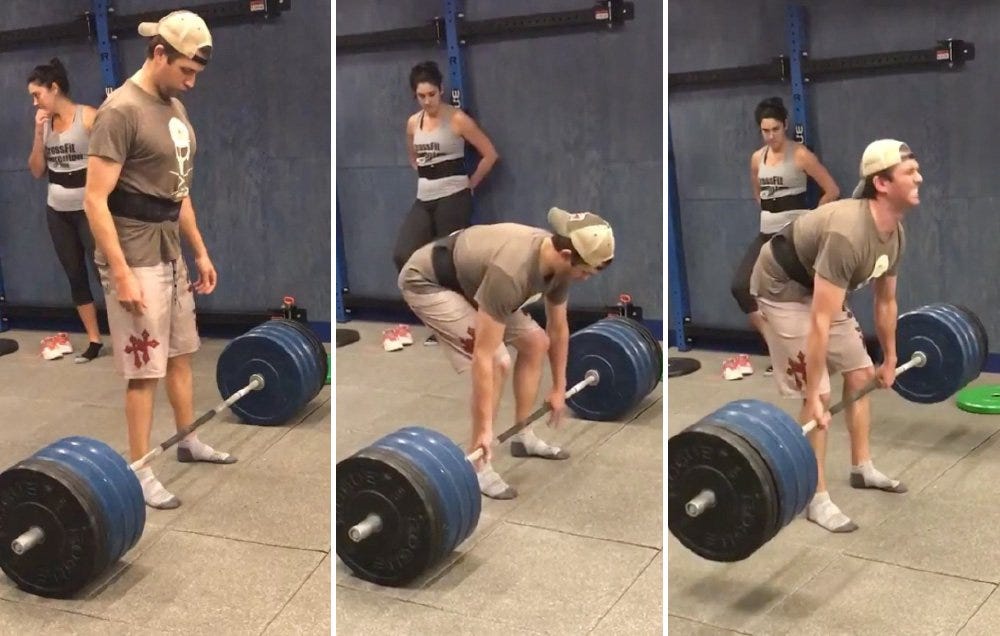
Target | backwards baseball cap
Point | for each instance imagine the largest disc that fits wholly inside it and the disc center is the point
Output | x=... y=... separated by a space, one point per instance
x=879 y=155
x=590 y=235
x=183 y=30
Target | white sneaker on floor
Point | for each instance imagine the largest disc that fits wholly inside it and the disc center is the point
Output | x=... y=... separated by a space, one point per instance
x=62 y=341
x=743 y=363
x=731 y=369
x=404 y=335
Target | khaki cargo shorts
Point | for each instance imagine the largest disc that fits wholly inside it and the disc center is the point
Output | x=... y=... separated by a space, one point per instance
x=786 y=332
x=453 y=319
x=167 y=328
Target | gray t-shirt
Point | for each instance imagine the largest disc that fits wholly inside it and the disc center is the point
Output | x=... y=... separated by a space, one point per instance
x=154 y=142
x=838 y=241
x=498 y=266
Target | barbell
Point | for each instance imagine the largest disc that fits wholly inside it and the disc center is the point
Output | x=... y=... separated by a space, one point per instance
x=75 y=507
x=412 y=497
x=739 y=475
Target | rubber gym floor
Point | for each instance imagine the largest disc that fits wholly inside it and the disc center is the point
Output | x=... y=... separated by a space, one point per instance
x=924 y=562
x=579 y=551
x=248 y=552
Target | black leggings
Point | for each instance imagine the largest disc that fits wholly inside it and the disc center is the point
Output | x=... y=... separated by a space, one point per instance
x=741 y=279
x=429 y=220
x=74 y=244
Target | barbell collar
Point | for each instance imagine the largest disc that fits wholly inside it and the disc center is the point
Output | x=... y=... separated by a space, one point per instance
x=256 y=383
x=590 y=378
x=918 y=359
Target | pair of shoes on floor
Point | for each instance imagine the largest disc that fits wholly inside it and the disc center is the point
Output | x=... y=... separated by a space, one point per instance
x=395 y=338
x=57 y=346
x=738 y=366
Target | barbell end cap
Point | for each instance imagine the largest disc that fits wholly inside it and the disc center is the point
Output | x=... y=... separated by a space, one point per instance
x=920 y=357
x=259 y=379
x=592 y=376
x=692 y=510
x=355 y=535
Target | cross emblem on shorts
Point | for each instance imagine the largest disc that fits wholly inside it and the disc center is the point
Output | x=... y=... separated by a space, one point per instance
x=140 y=348
x=795 y=369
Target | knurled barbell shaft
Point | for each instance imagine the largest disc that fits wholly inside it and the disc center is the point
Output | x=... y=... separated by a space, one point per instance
x=590 y=378
x=706 y=498
x=256 y=383
x=918 y=359
x=373 y=523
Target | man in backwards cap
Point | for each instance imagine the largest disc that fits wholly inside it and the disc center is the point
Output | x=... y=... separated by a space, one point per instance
x=801 y=280
x=138 y=204
x=471 y=287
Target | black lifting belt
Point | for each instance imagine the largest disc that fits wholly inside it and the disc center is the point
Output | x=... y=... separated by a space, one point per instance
x=143 y=207
x=443 y=261
x=448 y=168
x=783 y=248
x=71 y=179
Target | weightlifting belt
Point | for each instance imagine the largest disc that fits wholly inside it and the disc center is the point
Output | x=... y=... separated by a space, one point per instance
x=71 y=179
x=143 y=207
x=784 y=204
x=783 y=248
x=448 y=168
x=443 y=262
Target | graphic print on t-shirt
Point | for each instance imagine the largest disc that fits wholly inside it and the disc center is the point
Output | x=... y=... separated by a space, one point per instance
x=427 y=152
x=881 y=266
x=182 y=150
x=63 y=154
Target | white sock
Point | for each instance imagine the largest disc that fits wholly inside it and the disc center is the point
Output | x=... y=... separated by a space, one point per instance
x=492 y=484
x=153 y=491
x=202 y=452
x=871 y=477
x=826 y=514
x=532 y=445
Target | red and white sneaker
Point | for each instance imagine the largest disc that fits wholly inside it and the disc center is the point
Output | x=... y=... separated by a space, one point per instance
x=731 y=369
x=50 y=348
x=62 y=341
x=743 y=362
x=404 y=335
x=390 y=340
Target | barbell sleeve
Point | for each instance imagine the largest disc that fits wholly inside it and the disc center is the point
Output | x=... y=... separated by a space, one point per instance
x=590 y=378
x=256 y=383
x=918 y=359
x=28 y=539
x=366 y=528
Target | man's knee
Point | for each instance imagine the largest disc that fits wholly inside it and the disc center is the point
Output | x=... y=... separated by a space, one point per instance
x=533 y=343
x=501 y=360
x=856 y=380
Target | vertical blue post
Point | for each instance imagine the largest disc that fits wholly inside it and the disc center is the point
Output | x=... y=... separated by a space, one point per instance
x=4 y=324
x=459 y=98
x=106 y=46
x=341 y=271
x=680 y=312
x=798 y=48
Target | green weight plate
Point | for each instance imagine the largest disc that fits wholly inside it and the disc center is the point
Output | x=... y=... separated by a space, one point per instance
x=980 y=399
